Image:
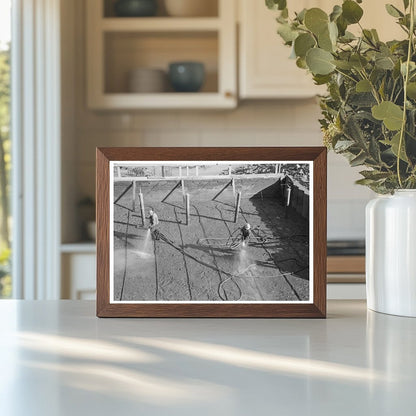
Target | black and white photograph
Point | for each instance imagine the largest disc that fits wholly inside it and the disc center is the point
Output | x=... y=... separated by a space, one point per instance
x=211 y=232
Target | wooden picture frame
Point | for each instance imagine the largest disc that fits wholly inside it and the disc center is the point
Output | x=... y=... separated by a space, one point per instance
x=248 y=160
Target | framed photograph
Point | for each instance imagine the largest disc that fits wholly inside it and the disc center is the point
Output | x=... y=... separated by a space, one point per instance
x=211 y=232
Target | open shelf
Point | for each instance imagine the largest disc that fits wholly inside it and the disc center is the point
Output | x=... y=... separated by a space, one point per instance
x=79 y=247
x=168 y=100
x=211 y=9
x=126 y=51
x=119 y=45
x=160 y=24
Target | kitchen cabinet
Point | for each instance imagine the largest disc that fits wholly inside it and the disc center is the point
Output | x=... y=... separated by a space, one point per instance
x=78 y=263
x=118 y=45
x=265 y=70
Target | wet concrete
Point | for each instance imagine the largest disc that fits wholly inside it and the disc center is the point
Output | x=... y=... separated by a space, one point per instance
x=196 y=262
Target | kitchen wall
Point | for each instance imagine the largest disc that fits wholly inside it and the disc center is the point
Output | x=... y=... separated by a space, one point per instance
x=253 y=123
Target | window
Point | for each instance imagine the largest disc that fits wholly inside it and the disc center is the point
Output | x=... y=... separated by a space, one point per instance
x=5 y=147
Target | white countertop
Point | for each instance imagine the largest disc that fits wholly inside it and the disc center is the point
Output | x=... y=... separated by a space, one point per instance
x=57 y=358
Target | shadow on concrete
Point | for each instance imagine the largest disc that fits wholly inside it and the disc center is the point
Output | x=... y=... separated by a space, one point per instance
x=228 y=252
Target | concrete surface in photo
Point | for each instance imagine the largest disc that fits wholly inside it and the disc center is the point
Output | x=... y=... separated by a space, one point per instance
x=195 y=261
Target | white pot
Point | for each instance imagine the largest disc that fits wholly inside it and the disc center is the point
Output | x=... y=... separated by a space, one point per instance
x=147 y=80
x=191 y=8
x=391 y=253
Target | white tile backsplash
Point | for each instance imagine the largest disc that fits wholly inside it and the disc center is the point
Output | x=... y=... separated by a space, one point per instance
x=346 y=219
x=341 y=180
x=171 y=138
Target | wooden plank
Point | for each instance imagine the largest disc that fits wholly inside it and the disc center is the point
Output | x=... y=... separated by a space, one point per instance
x=163 y=100
x=345 y=278
x=160 y=24
x=346 y=264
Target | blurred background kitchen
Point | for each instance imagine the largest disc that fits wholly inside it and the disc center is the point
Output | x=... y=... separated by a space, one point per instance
x=188 y=73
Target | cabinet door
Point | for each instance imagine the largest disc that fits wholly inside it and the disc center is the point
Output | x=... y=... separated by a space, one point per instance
x=265 y=68
x=78 y=276
x=376 y=17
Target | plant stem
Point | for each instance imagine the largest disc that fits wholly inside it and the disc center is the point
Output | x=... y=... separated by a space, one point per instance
x=405 y=81
x=373 y=88
x=392 y=91
x=346 y=75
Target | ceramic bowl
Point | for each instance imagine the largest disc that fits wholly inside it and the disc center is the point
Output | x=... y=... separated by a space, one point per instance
x=135 y=8
x=186 y=76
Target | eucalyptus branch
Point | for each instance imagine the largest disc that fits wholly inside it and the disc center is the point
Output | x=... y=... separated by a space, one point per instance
x=340 y=47
x=373 y=88
x=404 y=28
x=398 y=95
x=369 y=40
x=406 y=80
x=370 y=63
x=409 y=134
x=346 y=75
x=392 y=90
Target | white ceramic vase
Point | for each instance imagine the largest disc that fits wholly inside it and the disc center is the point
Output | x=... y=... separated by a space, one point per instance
x=391 y=253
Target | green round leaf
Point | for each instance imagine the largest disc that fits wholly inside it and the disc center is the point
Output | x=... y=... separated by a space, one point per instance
x=342 y=25
x=375 y=35
x=393 y=11
x=351 y=11
x=324 y=41
x=276 y=4
x=319 y=61
x=363 y=86
x=336 y=12
x=287 y=33
x=328 y=38
x=344 y=65
x=322 y=79
x=316 y=20
x=391 y=114
x=347 y=37
x=411 y=90
x=301 y=63
x=403 y=66
x=333 y=32
x=301 y=15
x=394 y=145
x=358 y=61
x=303 y=43
x=384 y=62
